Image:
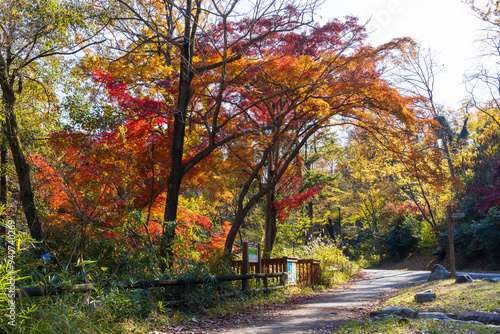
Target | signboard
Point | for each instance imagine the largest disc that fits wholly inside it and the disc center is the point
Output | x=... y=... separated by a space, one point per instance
x=456 y=215
x=253 y=253
x=292 y=272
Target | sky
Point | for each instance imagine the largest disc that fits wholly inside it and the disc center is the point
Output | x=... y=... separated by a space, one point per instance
x=447 y=27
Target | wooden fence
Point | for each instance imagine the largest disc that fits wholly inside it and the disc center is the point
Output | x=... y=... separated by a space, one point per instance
x=307 y=273
x=307 y=270
x=51 y=290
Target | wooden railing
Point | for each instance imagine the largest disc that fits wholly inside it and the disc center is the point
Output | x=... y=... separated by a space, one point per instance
x=307 y=270
x=88 y=287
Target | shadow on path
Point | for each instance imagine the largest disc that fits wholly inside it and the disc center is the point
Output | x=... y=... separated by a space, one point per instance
x=330 y=310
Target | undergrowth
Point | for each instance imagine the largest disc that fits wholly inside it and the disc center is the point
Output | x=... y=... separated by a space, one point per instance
x=111 y=309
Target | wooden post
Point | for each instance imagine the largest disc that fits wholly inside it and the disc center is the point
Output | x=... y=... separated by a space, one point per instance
x=283 y=278
x=258 y=266
x=266 y=284
x=451 y=242
x=244 y=266
x=340 y=226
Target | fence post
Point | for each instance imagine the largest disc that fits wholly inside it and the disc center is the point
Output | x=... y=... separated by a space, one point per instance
x=221 y=290
x=258 y=266
x=244 y=266
x=266 y=284
x=283 y=278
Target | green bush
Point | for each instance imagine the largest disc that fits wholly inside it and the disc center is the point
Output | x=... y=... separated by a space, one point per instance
x=480 y=237
x=335 y=267
x=402 y=241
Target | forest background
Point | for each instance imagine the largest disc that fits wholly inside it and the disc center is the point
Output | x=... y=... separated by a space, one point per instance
x=148 y=137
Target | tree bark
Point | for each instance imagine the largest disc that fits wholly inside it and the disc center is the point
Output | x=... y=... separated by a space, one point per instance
x=3 y=185
x=310 y=215
x=11 y=132
x=270 y=215
x=177 y=168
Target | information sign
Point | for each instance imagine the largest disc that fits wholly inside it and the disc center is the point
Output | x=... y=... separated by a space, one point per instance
x=253 y=253
x=292 y=272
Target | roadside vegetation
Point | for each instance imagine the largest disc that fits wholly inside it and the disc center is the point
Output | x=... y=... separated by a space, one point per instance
x=451 y=298
x=415 y=326
x=479 y=295
x=109 y=309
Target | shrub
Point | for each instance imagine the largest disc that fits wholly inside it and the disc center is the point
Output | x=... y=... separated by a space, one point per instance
x=486 y=233
x=401 y=242
x=335 y=267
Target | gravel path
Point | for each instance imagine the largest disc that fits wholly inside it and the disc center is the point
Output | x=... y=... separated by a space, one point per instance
x=327 y=311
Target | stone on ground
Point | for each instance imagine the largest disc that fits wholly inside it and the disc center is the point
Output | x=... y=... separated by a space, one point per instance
x=491 y=318
x=401 y=312
x=439 y=272
x=425 y=296
x=464 y=279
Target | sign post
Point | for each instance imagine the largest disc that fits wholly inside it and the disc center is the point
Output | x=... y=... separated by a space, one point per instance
x=451 y=238
x=250 y=254
x=244 y=265
x=254 y=256
x=291 y=268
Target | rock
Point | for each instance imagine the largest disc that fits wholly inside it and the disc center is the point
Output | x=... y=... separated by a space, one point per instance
x=433 y=315
x=451 y=315
x=465 y=322
x=400 y=312
x=425 y=296
x=464 y=279
x=491 y=318
x=439 y=272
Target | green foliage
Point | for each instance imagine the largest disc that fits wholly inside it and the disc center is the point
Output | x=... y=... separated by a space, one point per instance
x=481 y=237
x=106 y=309
x=428 y=241
x=363 y=245
x=291 y=233
x=403 y=239
x=335 y=267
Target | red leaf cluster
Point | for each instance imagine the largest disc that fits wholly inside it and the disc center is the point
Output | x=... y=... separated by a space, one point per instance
x=489 y=196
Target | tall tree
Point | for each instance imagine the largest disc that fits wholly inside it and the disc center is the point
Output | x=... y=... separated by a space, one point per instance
x=419 y=76
x=345 y=81
x=33 y=31
x=199 y=40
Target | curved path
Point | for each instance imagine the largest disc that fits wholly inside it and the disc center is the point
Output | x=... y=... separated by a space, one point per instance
x=327 y=311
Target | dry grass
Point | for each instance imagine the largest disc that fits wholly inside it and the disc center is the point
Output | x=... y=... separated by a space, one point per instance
x=451 y=297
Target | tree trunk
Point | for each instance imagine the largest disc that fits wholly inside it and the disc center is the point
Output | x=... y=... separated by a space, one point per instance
x=3 y=186
x=173 y=191
x=176 y=167
x=270 y=217
x=11 y=132
x=310 y=215
x=235 y=227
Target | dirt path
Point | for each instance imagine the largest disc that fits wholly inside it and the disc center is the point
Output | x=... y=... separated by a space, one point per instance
x=323 y=312
x=327 y=311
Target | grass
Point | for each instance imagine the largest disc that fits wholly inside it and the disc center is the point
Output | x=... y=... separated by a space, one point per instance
x=130 y=311
x=114 y=310
x=477 y=296
x=422 y=326
x=451 y=298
